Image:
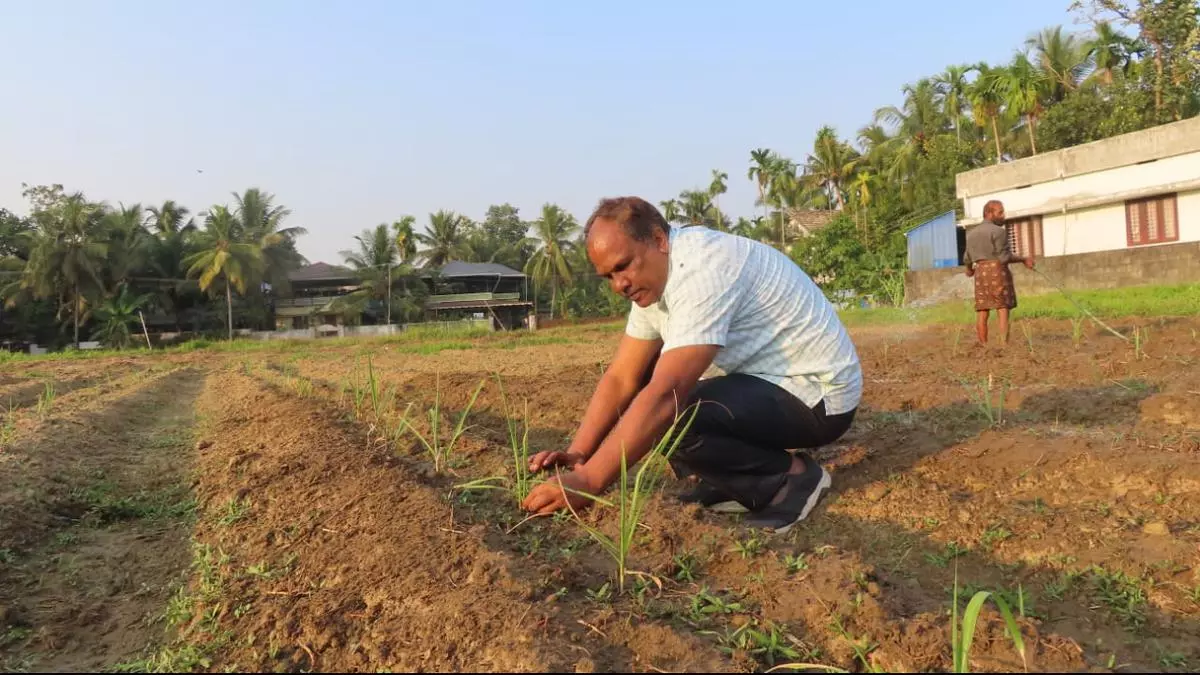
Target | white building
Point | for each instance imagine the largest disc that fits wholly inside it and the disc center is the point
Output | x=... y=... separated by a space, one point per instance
x=1135 y=190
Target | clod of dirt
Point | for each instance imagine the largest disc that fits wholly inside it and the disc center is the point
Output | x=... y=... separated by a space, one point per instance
x=204 y=444
x=585 y=665
x=1157 y=528
x=1177 y=409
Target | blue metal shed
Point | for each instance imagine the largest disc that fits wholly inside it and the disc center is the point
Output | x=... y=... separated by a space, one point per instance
x=933 y=243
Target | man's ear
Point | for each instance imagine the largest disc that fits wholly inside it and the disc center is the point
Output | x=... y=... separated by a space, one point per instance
x=662 y=241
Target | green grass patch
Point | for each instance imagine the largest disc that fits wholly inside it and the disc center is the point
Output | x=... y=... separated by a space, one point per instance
x=1133 y=301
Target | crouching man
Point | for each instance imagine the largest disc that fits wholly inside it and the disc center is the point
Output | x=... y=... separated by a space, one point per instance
x=791 y=376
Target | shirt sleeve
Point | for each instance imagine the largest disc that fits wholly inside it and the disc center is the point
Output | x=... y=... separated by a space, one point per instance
x=703 y=307
x=639 y=326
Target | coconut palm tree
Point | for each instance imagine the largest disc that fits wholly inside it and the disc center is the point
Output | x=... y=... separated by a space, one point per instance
x=406 y=240
x=128 y=244
x=173 y=230
x=1062 y=57
x=67 y=257
x=553 y=233
x=831 y=165
x=262 y=222
x=445 y=238
x=116 y=315
x=377 y=265
x=951 y=87
x=226 y=252
x=697 y=208
x=1110 y=52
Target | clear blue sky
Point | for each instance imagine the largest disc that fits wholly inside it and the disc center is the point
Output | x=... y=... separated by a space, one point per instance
x=356 y=113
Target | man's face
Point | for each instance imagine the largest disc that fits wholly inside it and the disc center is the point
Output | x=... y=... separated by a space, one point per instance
x=998 y=214
x=636 y=270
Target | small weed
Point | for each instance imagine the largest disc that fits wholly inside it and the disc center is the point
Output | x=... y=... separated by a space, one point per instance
x=994 y=535
x=1141 y=336
x=601 y=595
x=1122 y=594
x=235 y=510
x=686 y=567
x=751 y=547
x=8 y=427
x=1028 y=331
x=1168 y=659
x=795 y=563
x=951 y=553
x=706 y=604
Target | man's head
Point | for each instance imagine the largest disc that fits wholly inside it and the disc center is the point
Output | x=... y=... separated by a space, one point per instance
x=628 y=241
x=994 y=211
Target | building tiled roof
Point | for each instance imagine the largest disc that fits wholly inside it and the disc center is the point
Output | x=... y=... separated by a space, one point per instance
x=457 y=269
x=322 y=272
x=807 y=221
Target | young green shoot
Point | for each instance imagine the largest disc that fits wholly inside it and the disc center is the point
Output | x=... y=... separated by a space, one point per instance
x=518 y=439
x=439 y=449
x=46 y=399
x=1028 y=331
x=961 y=636
x=631 y=500
x=1077 y=331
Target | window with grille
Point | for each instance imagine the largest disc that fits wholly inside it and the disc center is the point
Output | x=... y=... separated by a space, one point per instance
x=1025 y=237
x=1153 y=220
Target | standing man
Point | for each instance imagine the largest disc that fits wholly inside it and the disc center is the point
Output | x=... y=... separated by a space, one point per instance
x=791 y=376
x=987 y=258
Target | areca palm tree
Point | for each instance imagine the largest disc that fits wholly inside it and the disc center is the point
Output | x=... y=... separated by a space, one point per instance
x=1022 y=86
x=986 y=97
x=762 y=163
x=226 y=252
x=716 y=188
x=67 y=258
x=697 y=208
x=554 y=232
x=444 y=240
x=671 y=210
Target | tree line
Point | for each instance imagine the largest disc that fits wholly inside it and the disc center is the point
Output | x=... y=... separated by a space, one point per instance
x=74 y=264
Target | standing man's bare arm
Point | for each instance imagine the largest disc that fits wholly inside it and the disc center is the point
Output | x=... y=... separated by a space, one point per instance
x=625 y=376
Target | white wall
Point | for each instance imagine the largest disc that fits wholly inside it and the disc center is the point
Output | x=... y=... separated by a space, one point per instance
x=1097 y=184
x=1084 y=231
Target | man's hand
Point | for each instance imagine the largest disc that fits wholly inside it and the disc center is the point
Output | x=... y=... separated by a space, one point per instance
x=549 y=459
x=556 y=493
x=970 y=272
x=1029 y=262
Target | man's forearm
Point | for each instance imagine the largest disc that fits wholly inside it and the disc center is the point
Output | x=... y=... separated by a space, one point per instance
x=610 y=399
x=647 y=418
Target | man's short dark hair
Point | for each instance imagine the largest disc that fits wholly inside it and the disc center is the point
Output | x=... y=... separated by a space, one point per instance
x=639 y=217
x=990 y=208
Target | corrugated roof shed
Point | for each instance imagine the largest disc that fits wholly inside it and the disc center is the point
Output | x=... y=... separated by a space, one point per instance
x=322 y=272
x=456 y=268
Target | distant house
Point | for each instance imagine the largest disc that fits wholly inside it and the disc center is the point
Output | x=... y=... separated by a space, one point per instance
x=314 y=290
x=1135 y=190
x=457 y=290
x=479 y=290
x=1121 y=211
x=803 y=222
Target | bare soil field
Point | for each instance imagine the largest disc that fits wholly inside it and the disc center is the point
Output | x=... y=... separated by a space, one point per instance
x=275 y=510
